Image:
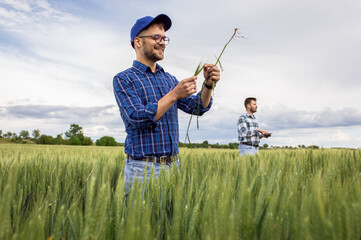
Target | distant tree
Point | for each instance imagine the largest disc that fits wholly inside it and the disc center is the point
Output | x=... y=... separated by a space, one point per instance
x=233 y=145
x=74 y=141
x=45 y=139
x=87 y=141
x=76 y=136
x=313 y=147
x=36 y=133
x=204 y=144
x=106 y=141
x=1 y=133
x=75 y=131
x=14 y=135
x=24 y=134
x=59 y=140
x=265 y=145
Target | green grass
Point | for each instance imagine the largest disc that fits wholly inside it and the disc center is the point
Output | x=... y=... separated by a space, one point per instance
x=66 y=192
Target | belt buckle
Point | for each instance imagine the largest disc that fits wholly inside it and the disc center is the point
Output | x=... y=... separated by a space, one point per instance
x=163 y=160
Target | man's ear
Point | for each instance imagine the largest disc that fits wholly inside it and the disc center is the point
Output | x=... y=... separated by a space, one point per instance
x=137 y=42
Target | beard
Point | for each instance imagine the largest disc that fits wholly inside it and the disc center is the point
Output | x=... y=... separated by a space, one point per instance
x=153 y=53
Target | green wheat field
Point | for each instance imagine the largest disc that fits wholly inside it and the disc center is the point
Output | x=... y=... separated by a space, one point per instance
x=67 y=192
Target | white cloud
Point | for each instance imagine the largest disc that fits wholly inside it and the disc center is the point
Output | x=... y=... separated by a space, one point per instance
x=339 y=135
x=18 y=5
x=11 y=18
x=27 y=12
x=358 y=138
x=323 y=137
x=62 y=62
x=282 y=117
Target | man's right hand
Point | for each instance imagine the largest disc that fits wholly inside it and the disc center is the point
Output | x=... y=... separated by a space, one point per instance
x=185 y=88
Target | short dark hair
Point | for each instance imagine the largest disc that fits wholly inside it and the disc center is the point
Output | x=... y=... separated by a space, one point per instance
x=248 y=101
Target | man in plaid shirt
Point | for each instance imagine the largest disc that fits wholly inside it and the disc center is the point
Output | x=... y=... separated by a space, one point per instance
x=148 y=99
x=249 y=133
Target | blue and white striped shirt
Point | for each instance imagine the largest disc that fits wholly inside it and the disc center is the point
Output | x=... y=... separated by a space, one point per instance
x=137 y=91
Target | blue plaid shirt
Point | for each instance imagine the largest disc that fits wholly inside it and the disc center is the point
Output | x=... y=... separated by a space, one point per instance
x=137 y=91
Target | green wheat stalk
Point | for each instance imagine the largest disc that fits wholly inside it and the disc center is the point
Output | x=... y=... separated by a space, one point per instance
x=198 y=70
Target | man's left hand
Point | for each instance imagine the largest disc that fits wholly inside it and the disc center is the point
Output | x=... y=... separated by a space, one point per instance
x=211 y=74
x=266 y=134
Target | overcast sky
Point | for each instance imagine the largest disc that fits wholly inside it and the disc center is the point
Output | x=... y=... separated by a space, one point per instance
x=301 y=61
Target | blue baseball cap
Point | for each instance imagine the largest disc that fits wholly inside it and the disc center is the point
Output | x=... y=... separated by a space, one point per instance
x=144 y=22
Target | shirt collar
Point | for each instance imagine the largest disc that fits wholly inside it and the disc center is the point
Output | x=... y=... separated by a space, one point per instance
x=144 y=68
x=249 y=115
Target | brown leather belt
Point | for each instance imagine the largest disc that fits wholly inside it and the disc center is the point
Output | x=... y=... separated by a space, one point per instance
x=161 y=159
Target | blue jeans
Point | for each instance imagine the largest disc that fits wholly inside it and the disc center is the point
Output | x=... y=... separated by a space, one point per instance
x=247 y=150
x=135 y=169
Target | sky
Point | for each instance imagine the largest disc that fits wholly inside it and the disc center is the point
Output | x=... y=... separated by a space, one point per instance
x=300 y=60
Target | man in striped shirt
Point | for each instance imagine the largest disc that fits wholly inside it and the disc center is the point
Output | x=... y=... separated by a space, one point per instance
x=148 y=99
x=249 y=133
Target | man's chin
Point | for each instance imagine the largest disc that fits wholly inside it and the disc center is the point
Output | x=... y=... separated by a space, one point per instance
x=156 y=58
x=159 y=57
x=159 y=54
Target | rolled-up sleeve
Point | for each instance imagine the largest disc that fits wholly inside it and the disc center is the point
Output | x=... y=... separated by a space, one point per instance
x=193 y=104
x=134 y=113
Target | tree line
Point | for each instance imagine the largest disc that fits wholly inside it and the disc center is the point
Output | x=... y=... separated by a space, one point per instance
x=74 y=136
x=235 y=145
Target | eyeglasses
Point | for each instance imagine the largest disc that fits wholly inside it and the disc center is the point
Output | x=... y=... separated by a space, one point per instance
x=158 y=38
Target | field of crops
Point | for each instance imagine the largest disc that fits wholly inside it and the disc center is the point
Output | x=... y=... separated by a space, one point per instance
x=65 y=192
